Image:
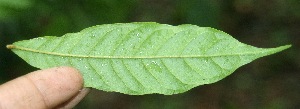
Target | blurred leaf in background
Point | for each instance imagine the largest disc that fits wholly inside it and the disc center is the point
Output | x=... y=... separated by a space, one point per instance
x=10 y=8
x=271 y=83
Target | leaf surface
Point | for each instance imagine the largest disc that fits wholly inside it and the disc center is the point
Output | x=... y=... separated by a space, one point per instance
x=143 y=58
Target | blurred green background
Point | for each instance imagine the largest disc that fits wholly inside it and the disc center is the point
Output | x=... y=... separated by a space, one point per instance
x=271 y=82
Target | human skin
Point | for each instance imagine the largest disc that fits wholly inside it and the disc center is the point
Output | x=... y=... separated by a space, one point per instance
x=59 y=87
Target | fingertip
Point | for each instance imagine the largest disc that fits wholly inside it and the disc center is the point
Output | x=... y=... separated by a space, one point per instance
x=73 y=73
x=57 y=84
x=46 y=88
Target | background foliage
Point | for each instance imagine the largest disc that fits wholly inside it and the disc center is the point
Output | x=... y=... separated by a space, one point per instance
x=270 y=83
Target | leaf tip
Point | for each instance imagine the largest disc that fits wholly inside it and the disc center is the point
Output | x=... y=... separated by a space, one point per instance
x=288 y=46
x=10 y=46
x=284 y=47
x=278 y=49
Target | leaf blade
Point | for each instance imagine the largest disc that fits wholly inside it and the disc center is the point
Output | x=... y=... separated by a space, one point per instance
x=143 y=58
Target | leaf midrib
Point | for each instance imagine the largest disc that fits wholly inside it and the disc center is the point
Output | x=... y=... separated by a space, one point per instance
x=140 y=57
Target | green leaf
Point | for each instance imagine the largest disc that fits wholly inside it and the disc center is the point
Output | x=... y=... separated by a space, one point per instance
x=143 y=58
